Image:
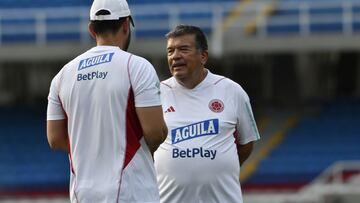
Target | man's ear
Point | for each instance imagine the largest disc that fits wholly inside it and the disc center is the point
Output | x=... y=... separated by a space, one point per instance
x=126 y=26
x=204 y=57
x=91 y=31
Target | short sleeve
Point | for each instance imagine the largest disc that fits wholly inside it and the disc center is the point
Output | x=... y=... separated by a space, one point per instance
x=145 y=83
x=54 y=109
x=246 y=125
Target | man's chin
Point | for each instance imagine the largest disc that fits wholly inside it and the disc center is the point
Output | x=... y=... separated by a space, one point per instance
x=178 y=75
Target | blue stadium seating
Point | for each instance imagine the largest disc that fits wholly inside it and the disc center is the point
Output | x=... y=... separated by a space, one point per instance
x=70 y=3
x=42 y=3
x=323 y=17
x=313 y=145
x=27 y=163
x=327 y=18
x=171 y=1
x=69 y=23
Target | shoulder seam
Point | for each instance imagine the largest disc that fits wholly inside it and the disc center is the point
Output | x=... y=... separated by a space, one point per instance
x=215 y=83
x=163 y=82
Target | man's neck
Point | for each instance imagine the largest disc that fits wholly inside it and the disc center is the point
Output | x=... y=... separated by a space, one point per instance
x=191 y=83
x=108 y=41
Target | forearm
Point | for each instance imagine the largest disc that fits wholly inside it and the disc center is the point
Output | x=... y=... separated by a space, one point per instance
x=57 y=135
x=244 y=151
x=153 y=142
x=153 y=126
x=61 y=145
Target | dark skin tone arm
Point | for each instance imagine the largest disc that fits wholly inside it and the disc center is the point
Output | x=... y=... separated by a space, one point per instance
x=57 y=135
x=244 y=151
x=153 y=126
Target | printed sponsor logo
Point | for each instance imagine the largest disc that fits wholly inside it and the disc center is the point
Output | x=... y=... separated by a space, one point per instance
x=92 y=75
x=203 y=128
x=95 y=60
x=193 y=153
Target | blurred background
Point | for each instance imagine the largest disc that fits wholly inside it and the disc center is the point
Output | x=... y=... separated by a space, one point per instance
x=299 y=61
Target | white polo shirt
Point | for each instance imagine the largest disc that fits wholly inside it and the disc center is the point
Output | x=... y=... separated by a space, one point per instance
x=97 y=93
x=198 y=162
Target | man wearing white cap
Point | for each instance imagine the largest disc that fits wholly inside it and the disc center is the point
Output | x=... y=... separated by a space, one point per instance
x=104 y=109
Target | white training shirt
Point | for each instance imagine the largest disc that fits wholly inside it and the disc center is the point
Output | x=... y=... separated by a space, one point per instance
x=98 y=92
x=198 y=162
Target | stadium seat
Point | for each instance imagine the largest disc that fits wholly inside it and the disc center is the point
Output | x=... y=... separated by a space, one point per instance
x=26 y=160
x=323 y=17
x=317 y=142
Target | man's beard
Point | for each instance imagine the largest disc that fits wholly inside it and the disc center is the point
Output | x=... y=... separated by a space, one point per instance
x=127 y=42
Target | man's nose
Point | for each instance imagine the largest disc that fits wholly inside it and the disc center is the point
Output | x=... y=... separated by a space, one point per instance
x=176 y=54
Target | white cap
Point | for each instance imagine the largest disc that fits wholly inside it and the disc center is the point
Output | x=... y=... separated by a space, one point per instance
x=111 y=9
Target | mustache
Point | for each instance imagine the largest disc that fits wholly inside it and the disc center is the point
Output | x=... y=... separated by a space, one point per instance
x=178 y=64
